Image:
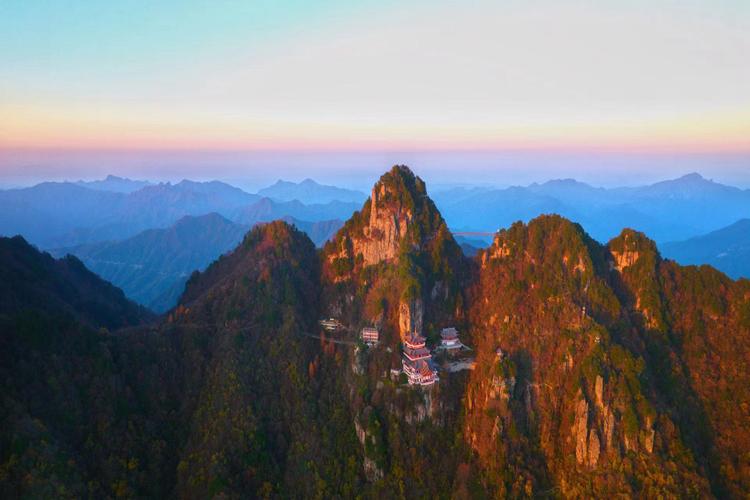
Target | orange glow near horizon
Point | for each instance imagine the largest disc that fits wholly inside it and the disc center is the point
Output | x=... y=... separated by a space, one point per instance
x=20 y=129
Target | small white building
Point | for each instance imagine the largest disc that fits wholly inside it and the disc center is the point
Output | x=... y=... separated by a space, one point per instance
x=449 y=339
x=330 y=324
x=370 y=335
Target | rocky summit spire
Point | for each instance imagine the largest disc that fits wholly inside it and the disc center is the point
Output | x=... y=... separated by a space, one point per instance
x=399 y=213
x=393 y=203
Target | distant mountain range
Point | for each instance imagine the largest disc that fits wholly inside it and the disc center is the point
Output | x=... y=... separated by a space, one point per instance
x=130 y=231
x=267 y=210
x=319 y=232
x=63 y=214
x=668 y=211
x=116 y=184
x=153 y=266
x=471 y=246
x=309 y=191
x=727 y=249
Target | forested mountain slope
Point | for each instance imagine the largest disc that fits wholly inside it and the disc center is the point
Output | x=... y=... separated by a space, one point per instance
x=33 y=280
x=216 y=398
x=616 y=374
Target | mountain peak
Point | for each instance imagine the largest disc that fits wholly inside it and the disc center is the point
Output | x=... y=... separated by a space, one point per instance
x=400 y=173
x=399 y=184
x=309 y=191
x=282 y=182
x=562 y=182
x=211 y=218
x=545 y=239
x=398 y=219
x=115 y=184
x=630 y=247
x=269 y=245
x=693 y=177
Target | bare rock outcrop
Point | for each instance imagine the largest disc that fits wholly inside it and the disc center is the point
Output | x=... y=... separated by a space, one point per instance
x=593 y=449
x=609 y=428
x=588 y=444
x=410 y=317
x=625 y=259
x=371 y=469
x=388 y=225
x=581 y=429
x=599 y=391
x=629 y=248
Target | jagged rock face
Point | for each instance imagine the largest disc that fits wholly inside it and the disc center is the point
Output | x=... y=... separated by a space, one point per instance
x=410 y=317
x=388 y=225
x=426 y=408
x=599 y=390
x=588 y=446
x=594 y=430
x=625 y=259
x=384 y=224
x=636 y=259
x=581 y=430
x=609 y=428
x=627 y=248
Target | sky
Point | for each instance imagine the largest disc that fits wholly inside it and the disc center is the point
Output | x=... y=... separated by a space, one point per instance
x=609 y=91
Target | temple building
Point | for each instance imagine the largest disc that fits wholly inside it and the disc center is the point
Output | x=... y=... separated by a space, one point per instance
x=370 y=335
x=417 y=361
x=449 y=339
x=330 y=324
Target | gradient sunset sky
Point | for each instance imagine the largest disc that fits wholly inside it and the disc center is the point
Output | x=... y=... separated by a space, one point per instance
x=87 y=85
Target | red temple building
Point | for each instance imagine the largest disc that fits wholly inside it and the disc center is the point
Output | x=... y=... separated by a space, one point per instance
x=417 y=361
x=370 y=336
